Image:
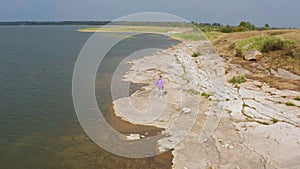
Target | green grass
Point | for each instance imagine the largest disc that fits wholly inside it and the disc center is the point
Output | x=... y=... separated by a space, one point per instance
x=237 y=79
x=196 y=54
x=297 y=98
x=192 y=91
x=206 y=94
x=153 y=29
x=265 y=43
x=184 y=33
x=213 y=35
x=290 y=104
x=193 y=36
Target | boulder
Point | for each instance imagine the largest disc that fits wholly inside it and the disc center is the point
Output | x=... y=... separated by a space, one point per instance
x=253 y=55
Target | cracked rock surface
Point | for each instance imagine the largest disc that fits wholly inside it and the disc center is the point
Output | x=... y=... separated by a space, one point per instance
x=228 y=126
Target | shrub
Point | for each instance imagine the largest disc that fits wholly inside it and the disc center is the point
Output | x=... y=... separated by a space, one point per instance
x=272 y=44
x=237 y=79
x=240 y=29
x=246 y=26
x=297 y=98
x=196 y=54
x=274 y=120
x=265 y=43
x=289 y=104
x=206 y=94
x=227 y=29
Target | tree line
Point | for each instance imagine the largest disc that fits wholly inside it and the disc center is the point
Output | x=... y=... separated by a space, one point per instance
x=243 y=26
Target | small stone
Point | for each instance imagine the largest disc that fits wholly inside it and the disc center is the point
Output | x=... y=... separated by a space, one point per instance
x=186 y=110
x=231 y=147
x=133 y=137
x=142 y=136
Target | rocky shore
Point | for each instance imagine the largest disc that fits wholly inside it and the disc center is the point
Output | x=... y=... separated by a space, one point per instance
x=210 y=122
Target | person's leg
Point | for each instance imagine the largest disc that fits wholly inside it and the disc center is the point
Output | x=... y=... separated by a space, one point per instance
x=157 y=94
x=161 y=92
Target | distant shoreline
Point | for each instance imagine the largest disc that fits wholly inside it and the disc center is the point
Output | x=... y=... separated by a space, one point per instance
x=101 y=23
x=23 y=23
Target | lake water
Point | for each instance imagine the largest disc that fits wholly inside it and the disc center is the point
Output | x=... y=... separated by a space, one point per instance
x=38 y=124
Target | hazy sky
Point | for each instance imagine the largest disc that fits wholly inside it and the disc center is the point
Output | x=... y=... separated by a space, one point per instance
x=279 y=13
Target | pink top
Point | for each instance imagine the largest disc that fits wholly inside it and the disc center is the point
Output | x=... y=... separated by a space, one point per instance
x=160 y=83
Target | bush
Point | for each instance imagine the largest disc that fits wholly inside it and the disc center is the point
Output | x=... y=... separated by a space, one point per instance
x=246 y=26
x=196 y=54
x=289 y=104
x=265 y=43
x=227 y=29
x=297 y=98
x=206 y=94
x=237 y=79
x=272 y=44
x=240 y=29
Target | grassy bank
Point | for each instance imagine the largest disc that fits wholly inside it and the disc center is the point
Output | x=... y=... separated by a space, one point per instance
x=280 y=49
x=179 y=33
x=148 y=29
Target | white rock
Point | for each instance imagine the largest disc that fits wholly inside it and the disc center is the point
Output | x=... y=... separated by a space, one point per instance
x=282 y=73
x=253 y=55
x=133 y=137
x=186 y=110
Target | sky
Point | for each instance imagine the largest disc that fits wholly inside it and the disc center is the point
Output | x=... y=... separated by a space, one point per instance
x=277 y=13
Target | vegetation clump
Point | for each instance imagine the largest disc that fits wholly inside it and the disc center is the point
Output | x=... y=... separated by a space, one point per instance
x=297 y=98
x=206 y=94
x=191 y=35
x=196 y=54
x=274 y=120
x=265 y=43
x=192 y=91
x=289 y=104
x=217 y=27
x=237 y=79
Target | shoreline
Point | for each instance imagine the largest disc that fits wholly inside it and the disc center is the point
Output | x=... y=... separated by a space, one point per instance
x=229 y=121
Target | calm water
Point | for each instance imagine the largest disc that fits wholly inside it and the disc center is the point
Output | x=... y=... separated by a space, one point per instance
x=38 y=124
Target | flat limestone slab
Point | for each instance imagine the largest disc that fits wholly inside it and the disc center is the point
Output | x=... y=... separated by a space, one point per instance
x=248 y=126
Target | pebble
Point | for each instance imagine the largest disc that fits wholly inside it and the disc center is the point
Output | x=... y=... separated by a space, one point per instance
x=186 y=110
